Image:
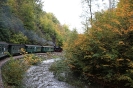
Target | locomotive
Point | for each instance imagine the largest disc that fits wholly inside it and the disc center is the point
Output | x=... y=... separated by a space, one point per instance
x=14 y=49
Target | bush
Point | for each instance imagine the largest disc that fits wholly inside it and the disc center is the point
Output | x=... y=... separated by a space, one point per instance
x=62 y=72
x=12 y=72
x=31 y=59
x=60 y=69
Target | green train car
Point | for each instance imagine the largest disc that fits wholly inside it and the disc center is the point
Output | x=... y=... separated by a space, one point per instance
x=3 y=49
x=33 y=48
x=38 y=49
x=47 y=48
x=15 y=48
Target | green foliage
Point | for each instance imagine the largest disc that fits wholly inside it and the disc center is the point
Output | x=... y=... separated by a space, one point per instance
x=104 y=54
x=19 y=38
x=60 y=70
x=4 y=34
x=4 y=31
x=63 y=73
x=27 y=18
x=31 y=59
x=12 y=72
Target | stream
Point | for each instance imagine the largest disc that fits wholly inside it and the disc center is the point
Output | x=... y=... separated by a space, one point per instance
x=40 y=77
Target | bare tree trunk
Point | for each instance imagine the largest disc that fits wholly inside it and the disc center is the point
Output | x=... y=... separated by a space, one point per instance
x=90 y=8
x=110 y=4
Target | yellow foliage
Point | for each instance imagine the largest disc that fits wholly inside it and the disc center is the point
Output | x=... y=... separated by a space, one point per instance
x=23 y=51
x=121 y=43
x=71 y=66
x=131 y=64
x=31 y=59
x=115 y=21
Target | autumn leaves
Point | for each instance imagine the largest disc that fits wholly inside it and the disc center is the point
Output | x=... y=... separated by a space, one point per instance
x=104 y=52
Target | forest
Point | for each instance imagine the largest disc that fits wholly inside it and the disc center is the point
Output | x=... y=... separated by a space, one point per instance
x=24 y=22
x=103 y=54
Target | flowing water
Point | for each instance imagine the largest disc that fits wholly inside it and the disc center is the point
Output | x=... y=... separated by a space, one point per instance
x=40 y=77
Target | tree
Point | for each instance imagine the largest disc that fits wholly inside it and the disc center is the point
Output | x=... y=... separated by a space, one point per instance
x=104 y=54
x=19 y=38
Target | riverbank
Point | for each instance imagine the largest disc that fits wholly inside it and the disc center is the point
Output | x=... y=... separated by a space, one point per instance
x=40 y=77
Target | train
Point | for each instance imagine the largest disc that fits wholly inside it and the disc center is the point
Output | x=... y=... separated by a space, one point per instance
x=15 y=49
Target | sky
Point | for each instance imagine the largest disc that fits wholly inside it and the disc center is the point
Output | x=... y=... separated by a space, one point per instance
x=68 y=11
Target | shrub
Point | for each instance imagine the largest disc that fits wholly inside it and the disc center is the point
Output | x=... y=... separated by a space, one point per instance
x=60 y=69
x=31 y=59
x=62 y=72
x=12 y=72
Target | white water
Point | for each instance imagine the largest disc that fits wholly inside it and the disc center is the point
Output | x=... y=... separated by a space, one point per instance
x=41 y=77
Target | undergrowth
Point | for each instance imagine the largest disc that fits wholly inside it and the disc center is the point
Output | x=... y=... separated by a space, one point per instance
x=12 y=73
x=14 y=70
x=31 y=59
x=63 y=73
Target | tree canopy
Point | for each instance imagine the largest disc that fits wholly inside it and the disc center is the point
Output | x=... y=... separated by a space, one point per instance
x=104 y=53
x=26 y=19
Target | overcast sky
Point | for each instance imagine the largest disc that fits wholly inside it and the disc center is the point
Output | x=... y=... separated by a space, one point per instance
x=68 y=11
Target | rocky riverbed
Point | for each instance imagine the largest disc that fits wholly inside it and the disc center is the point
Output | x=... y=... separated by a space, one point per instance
x=40 y=77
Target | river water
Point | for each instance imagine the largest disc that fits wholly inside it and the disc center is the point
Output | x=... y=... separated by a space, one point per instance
x=40 y=77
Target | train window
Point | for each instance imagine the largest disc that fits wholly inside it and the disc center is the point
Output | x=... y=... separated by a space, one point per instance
x=5 y=47
x=0 y=48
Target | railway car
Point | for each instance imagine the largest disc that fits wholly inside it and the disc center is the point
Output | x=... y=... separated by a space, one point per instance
x=14 y=49
x=37 y=48
x=29 y=48
x=33 y=48
x=47 y=49
x=3 y=49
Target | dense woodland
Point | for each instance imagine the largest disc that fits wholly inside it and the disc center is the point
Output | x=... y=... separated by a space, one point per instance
x=103 y=54
x=24 y=22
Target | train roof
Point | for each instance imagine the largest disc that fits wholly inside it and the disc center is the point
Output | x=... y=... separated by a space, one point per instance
x=3 y=43
x=47 y=46
x=14 y=44
x=32 y=45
